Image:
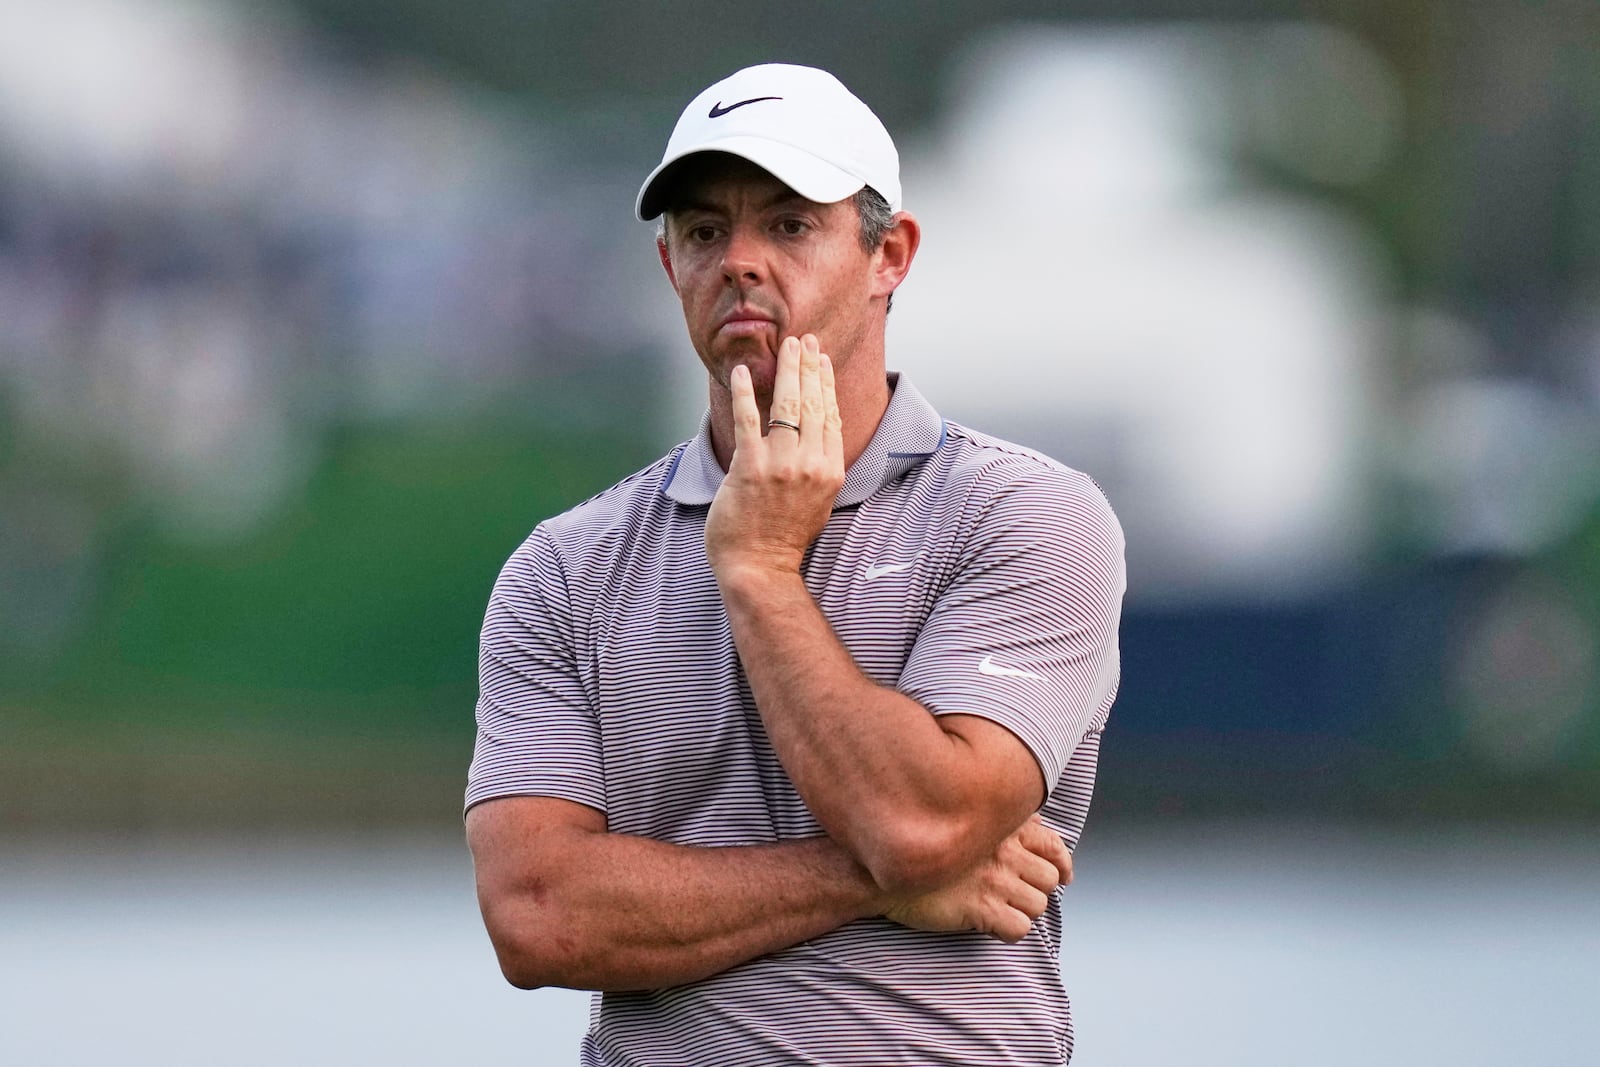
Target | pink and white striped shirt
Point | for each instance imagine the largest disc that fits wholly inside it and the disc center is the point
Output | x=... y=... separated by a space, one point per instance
x=973 y=575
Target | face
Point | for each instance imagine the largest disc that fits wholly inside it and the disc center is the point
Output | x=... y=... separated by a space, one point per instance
x=754 y=262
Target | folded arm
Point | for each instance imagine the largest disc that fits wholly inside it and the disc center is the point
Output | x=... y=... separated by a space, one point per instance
x=567 y=903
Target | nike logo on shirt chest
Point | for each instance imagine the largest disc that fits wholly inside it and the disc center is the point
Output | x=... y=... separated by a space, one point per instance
x=878 y=570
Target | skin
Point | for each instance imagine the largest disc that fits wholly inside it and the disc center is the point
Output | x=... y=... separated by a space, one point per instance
x=929 y=820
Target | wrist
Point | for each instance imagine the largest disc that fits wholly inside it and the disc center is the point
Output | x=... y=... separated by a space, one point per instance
x=750 y=574
x=868 y=899
x=846 y=887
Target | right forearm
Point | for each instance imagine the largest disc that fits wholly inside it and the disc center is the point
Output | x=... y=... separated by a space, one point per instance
x=613 y=912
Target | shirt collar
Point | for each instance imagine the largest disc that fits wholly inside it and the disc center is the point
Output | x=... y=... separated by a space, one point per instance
x=910 y=431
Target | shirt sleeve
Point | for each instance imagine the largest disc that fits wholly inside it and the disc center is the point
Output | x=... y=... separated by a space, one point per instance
x=537 y=731
x=1025 y=634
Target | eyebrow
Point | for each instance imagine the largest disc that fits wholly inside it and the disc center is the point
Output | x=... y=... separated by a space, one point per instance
x=693 y=204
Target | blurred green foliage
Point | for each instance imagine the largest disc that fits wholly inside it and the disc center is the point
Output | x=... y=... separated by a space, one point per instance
x=356 y=607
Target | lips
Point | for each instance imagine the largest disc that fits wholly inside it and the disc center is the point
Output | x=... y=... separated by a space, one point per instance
x=745 y=320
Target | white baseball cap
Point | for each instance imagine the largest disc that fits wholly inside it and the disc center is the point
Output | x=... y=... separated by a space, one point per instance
x=799 y=124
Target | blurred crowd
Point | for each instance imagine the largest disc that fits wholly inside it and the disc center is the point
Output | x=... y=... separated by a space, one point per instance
x=221 y=234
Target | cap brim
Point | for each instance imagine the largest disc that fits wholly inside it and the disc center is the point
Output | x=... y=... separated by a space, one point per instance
x=812 y=178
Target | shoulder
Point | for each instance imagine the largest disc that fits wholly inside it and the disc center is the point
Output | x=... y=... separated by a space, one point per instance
x=998 y=478
x=639 y=491
x=1029 y=521
x=597 y=527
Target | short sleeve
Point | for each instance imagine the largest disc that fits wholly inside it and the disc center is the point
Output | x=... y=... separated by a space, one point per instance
x=537 y=732
x=1025 y=634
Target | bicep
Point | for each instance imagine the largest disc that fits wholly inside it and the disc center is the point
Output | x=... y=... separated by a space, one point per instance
x=538 y=735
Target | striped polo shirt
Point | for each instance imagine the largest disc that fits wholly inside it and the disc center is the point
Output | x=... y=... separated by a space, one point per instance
x=974 y=575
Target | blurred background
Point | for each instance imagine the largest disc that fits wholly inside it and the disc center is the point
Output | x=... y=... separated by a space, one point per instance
x=310 y=310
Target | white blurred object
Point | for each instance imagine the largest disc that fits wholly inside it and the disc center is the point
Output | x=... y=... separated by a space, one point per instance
x=1097 y=282
x=99 y=89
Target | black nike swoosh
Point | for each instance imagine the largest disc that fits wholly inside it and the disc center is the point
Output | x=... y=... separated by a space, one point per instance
x=717 y=110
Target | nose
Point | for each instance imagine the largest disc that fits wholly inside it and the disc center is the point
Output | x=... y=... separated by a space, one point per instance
x=741 y=257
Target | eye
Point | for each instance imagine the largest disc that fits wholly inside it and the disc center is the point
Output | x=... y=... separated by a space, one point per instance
x=793 y=227
x=702 y=234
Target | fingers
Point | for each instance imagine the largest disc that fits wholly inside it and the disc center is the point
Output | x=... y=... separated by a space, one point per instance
x=1010 y=925
x=1022 y=878
x=832 y=424
x=803 y=393
x=1039 y=873
x=781 y=485
x=746 y=415
x=1006 y=911
x=786 y=385
x=812 y=412
x=1025 y=898
x=1045 y=843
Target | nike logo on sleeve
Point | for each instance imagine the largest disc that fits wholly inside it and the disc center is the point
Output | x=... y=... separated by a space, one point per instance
x=988 y=666
x=717 y=110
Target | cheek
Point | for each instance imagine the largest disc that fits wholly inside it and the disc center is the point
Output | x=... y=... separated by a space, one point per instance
x=835 y=291
x=694 y=288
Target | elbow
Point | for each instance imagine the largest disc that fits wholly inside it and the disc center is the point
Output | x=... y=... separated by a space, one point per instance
x=522 y=964
x=531 y=955
x=918 y=856
x=521 y=968
x=520 y=977
x=536 y=962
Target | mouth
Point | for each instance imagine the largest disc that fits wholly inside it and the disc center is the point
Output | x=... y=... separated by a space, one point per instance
x=744 y=322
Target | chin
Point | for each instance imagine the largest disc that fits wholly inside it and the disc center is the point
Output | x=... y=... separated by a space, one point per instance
x=762 y=373
x=763 y=366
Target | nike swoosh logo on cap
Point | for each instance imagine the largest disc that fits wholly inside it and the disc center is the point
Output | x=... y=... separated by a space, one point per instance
x=987 y=665
x=717 y=110
x=878 y=570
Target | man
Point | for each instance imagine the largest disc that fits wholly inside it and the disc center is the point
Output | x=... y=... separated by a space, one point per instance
x=779 y=738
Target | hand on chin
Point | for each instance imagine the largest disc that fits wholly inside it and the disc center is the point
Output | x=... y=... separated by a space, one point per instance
x=760 y=357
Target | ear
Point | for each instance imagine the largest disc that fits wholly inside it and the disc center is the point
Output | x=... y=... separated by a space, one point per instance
x=894 y=256
x=666 y=261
